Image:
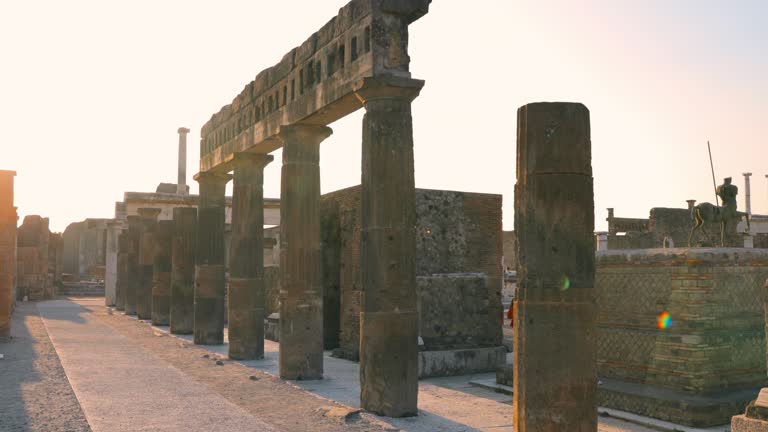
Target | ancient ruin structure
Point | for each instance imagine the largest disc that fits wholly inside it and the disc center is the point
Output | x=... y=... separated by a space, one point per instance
x=458 y=276
x=8 y=218
x=358 y=59
x=38 y=269
x=555 y=375
x=183 y=249
x=704 y=365
x=85 y=250
x=161 y=274
x=146 y=260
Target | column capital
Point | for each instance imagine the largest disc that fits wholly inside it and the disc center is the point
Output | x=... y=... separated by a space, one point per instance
x=183 y=130
x=212 y=177
x=247 y=159
x=304 y=133
x=389 y=87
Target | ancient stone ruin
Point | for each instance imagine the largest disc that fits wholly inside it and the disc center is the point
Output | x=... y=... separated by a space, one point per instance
x=8 y=220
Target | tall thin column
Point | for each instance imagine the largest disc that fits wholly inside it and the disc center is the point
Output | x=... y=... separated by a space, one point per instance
x=183 y=270
x=8 y=220
x=388 y=317
x=110 y=272
x=131 y=279
x=747 y=194
x=146 y=262
x=161 y=274
x=181 y=184
x=555 y=372
x=123 y=248
x=246 y=262
x=209 y=263
x=301 y=291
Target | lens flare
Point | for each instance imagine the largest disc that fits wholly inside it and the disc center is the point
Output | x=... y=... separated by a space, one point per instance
x=664 y=320
x=565 y=283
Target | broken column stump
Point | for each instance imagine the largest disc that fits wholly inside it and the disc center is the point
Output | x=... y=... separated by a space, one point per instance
x=388 y=318
x=209 y=263
x=301 y=295
x=147 y=251
x=246 y=266
x=183 y=270
x=161 y=274
x=555 y=372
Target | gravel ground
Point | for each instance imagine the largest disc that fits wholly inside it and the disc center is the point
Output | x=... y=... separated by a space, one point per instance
x=35 y=394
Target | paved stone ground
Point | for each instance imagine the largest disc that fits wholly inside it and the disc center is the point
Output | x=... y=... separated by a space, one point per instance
x=35 y=394
x=128 y=375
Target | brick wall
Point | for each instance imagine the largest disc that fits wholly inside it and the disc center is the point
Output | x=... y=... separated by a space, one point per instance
x=716 y=342
x=34 y=278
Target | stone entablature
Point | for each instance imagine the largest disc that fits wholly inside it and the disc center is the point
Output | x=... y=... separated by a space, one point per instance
x=710 y=361
x=315 y=83
x=166 y=202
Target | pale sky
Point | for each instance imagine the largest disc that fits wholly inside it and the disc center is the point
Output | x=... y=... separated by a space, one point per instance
x=93 y=91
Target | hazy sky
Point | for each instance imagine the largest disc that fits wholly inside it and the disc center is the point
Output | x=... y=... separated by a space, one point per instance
x=92 y=92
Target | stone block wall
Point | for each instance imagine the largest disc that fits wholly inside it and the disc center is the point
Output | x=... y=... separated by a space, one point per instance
x=713 y=352
x=35 y=276
x=456 y=232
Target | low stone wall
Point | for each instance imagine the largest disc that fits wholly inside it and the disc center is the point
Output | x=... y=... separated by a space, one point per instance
x=711 y=361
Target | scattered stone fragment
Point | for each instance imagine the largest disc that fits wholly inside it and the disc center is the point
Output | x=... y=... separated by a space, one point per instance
x=219 y=363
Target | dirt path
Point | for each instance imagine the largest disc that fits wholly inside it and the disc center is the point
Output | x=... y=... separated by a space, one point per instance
x=35 y=394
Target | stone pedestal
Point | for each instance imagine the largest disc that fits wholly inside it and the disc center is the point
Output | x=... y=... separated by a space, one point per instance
x=388 y=318
x=209 y=263
x=301 y=297
x=183 y=270
x=555 y=374
x=246 y=265
x=147 y=250
x=131 y=279
x=703 y=364
x=161 y=274
x=8 y=219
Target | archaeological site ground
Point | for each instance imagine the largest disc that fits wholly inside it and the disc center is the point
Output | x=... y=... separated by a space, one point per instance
x=381 y=306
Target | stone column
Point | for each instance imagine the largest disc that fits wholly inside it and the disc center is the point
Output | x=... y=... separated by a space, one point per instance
x=747 y=194
x=301 y=292
x=146 y=262
x=602 y=240
x=209 y=262
x=110 y=268
x=161 y=274
x=555 y=372
x=123 y=249
x=181 y=183
x=183 y=270
x=8 y=220
x=130 y=282
x=388 y=318
x=246 y=263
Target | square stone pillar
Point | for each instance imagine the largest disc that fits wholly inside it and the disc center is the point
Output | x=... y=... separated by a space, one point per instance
x=210 y=283
x=161 y=274
x=130 y=279
x=246 y=263
x=114 y=227
x=147 y=250
x=183 y=270
x=8 y=220
x=301 y=292
x=555 y=371
x=123 y=249
x=388 y=318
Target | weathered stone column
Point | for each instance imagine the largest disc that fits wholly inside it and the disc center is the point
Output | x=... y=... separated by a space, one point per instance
x=388 y=318
x=161 y=274
x=301 y=292
x=209 y=263
x=123 y=249
x=246 y=263
x=8 y=220
x=555 y=371
x=114 y=227
x=183 y=270
x=130 y=282
x=147 y=251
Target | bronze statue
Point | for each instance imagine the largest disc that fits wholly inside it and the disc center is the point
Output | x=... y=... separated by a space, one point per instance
x=710 y=213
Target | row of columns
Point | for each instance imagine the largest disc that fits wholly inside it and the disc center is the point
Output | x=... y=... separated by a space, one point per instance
x=174 y=272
